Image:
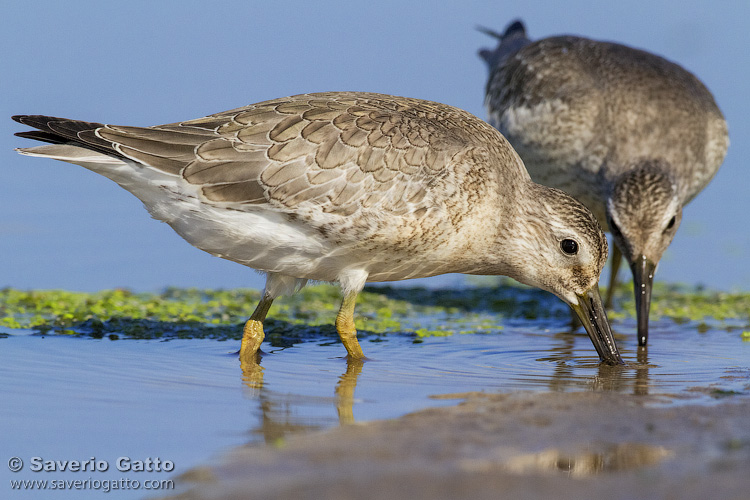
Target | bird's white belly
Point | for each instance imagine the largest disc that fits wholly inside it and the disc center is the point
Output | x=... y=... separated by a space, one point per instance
x=268 y=241
x=261 y=239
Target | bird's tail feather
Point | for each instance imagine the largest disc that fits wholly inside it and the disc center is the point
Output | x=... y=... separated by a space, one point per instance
x=510 y=42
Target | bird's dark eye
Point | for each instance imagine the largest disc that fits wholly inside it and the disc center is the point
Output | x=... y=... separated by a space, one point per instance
x=670 y=225
x=569 y=246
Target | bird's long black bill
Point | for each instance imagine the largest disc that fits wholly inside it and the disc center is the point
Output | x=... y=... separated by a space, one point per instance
x=590 y=311
x=643 y=280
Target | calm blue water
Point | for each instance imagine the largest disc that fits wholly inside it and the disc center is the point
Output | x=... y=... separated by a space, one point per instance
x=52 y=212
x=187 y=401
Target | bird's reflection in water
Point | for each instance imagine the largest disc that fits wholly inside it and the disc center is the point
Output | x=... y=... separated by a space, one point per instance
x=641 y=384
x=296 y=397
x=252 y=373
x=279 y=415
x=345 y=390
x=586 y=463
x=633 y=377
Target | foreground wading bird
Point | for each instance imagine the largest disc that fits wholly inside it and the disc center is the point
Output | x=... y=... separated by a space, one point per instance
x=349 y=187
x=631 y=135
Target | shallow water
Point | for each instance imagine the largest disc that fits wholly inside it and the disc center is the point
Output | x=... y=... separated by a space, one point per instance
x=187 y=400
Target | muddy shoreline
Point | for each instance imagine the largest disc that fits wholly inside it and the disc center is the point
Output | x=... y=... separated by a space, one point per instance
x=517 y=445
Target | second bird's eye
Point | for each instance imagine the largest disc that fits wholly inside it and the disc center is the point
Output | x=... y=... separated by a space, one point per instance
x=569 y=246
x=670 y=225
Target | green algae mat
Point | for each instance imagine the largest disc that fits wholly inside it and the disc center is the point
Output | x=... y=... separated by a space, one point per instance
x=194 y=313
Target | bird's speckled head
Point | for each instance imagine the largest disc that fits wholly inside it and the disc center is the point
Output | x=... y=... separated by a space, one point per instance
x=557 y=245
x=563 y=248
x=644 y=211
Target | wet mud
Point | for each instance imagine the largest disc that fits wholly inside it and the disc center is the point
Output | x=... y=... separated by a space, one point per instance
x=517 y=445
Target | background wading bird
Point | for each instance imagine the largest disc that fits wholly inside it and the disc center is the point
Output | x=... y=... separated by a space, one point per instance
x=628 y=133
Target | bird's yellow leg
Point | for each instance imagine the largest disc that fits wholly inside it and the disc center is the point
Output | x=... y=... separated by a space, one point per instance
x=252 y=334
x=345 y=326
x=615 y=267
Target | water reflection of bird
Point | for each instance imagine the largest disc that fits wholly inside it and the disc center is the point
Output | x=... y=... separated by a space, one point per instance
x=630 y=134
x=349 y=187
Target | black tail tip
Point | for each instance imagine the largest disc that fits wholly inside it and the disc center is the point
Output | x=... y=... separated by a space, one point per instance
x=516 y=27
